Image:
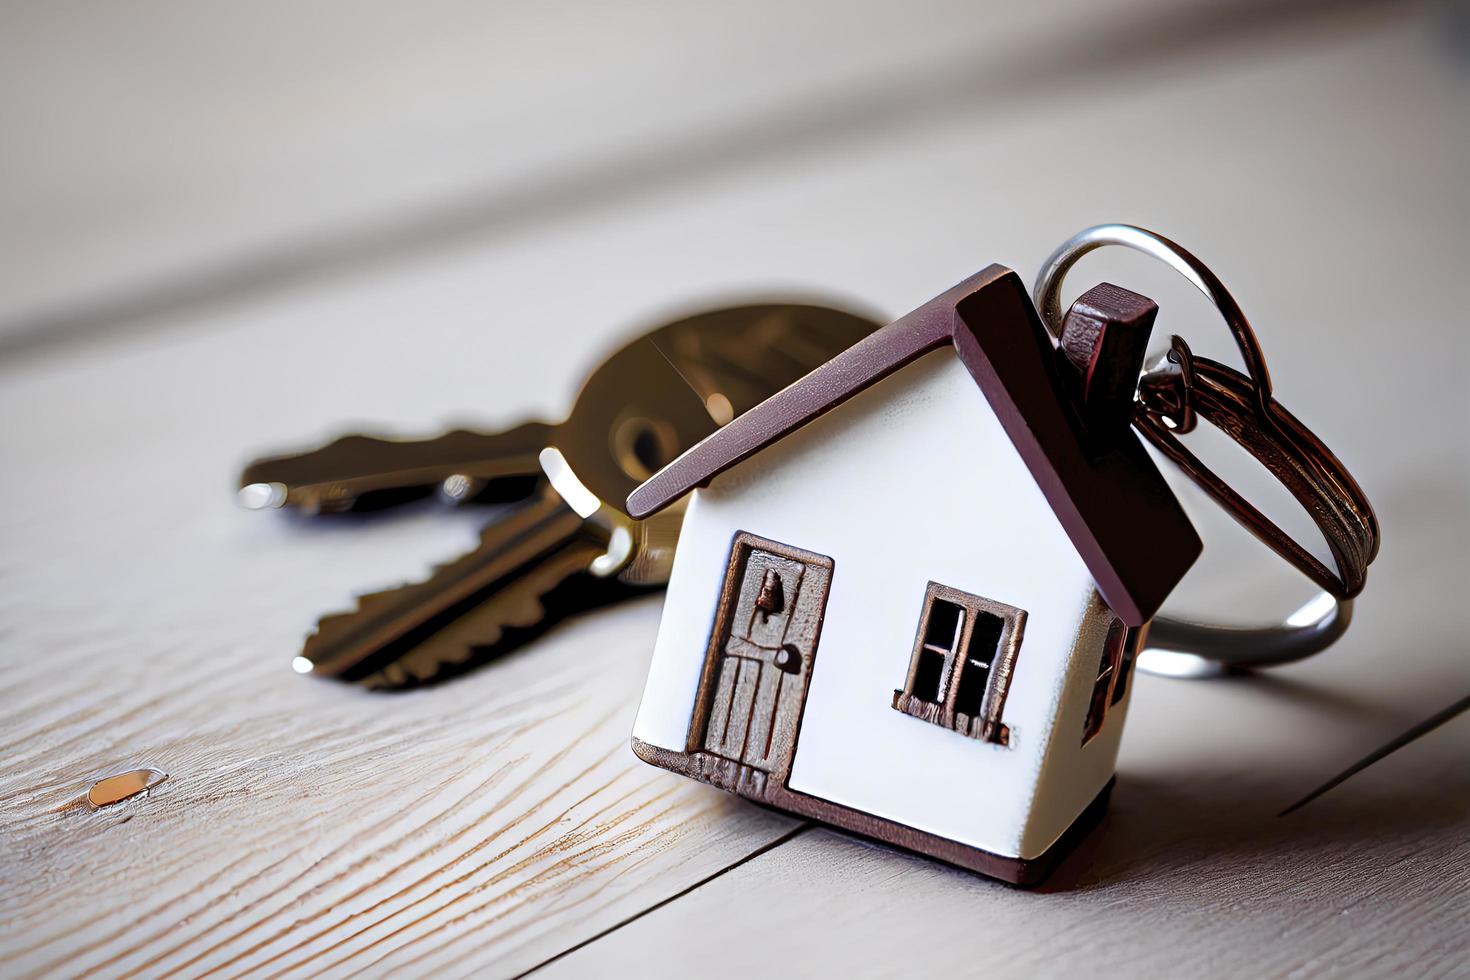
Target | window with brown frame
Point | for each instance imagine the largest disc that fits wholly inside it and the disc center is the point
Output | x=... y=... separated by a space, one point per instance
x=1111 y=683
x=961 y=665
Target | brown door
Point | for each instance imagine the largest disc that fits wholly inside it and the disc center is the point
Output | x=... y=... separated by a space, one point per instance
x=767 y=630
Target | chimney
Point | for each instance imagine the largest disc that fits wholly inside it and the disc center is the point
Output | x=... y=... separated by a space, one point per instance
x=1104 y=340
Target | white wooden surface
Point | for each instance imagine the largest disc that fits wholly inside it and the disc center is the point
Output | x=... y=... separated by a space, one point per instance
x=500 y=821
x=1182 y=881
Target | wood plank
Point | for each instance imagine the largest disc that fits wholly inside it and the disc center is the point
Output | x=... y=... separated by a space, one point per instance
x=1185 y=879
x=327 y=827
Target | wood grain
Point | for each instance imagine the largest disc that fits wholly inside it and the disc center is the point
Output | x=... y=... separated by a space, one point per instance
x=1182 y=880
x=310 y=835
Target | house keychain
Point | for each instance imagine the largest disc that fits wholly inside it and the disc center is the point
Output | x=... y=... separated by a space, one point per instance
x=911 y=587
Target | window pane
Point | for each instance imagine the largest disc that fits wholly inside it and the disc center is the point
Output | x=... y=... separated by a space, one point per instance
x=1111 y=662
x=945 y=620
x=1125 y=668
x=928 y=675
x=975 y=669
x=1096 y=708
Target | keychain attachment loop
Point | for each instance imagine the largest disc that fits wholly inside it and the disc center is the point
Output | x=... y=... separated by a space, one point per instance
x=1181 y=388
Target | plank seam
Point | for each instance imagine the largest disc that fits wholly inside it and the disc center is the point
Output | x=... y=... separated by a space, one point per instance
x=766 y=848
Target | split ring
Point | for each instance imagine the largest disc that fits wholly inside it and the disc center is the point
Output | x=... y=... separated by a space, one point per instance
x=1294 y=455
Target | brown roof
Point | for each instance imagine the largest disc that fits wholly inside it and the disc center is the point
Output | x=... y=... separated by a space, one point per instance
x=1110 y=499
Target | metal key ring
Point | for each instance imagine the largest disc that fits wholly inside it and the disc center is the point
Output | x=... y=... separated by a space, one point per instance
x=1180 y=648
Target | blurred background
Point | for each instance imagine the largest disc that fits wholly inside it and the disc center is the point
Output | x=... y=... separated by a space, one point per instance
x=396 y=216
x=163 y=153
x=228 y=229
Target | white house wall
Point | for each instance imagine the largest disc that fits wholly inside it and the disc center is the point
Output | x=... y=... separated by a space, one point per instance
x=914 y=480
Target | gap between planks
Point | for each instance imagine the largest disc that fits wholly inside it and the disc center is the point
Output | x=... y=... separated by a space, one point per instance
x=766 y=848
x=1385 y=750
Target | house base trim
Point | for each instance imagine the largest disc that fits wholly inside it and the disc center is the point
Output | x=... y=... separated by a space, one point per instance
x=1025 y=872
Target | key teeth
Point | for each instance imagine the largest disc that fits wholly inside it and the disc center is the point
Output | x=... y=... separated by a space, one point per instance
x=425 y=664
x=366 y=602
x=369 y=601
x=344 y=640
x=483 y=629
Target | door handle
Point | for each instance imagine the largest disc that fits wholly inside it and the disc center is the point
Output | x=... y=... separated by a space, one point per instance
x=788 y=658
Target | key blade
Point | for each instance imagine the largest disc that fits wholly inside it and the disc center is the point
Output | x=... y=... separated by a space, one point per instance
x=524 y=610
x=521 y=556
x=360 y=472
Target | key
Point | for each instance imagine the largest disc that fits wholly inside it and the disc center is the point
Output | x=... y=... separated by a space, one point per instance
x=730 y=356
x=571 y=546
x=360 y=472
